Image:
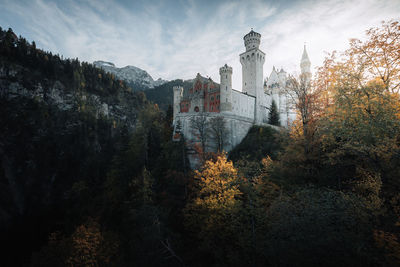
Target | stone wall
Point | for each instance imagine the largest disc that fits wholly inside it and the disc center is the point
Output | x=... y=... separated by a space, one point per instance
x=236 y=129
x=243 y=105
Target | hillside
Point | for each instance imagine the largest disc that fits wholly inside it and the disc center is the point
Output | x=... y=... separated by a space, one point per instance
x=62 y=122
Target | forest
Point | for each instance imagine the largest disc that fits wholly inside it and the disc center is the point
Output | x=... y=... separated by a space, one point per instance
x=79 y=188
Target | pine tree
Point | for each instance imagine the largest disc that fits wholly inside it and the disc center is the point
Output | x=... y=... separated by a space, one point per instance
x=273 y=117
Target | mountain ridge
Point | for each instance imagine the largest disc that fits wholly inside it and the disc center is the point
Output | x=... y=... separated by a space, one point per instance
x=135 y=77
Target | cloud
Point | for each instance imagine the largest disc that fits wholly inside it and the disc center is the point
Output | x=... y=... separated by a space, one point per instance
x=324 y=26
x=179 y=39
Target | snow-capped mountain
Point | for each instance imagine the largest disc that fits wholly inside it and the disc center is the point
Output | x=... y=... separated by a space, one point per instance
x=137 y=78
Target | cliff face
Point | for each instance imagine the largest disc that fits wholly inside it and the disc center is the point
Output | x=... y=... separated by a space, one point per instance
x=121 y=107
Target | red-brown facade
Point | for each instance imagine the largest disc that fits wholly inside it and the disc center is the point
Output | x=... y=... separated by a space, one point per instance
x=208 y=91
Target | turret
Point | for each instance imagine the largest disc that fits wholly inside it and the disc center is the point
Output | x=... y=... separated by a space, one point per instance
x=252 y=40
x=225 y=73
x=252 y=73
x=178 y=90
x=252 y=64
x=305 y=64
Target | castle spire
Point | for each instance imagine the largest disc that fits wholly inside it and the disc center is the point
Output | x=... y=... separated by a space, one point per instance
x=305 y=63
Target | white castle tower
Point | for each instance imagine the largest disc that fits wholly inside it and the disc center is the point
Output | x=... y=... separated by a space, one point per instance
x=225 y=73
x=178 y=91
x=305 y=65
x=252 y=73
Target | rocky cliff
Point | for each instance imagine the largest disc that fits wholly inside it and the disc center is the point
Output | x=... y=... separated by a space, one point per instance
x=137 y=78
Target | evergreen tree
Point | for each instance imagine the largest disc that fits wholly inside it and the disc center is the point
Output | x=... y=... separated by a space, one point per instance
x=273 y=117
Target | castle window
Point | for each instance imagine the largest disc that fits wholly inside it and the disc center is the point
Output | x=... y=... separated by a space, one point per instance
x=226 y=88
x=196 y=109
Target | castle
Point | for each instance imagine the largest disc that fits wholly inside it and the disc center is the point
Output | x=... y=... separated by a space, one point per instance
x=239 y=109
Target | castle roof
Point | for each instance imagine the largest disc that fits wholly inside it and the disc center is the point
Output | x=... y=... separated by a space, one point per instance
x=273 y=77
x=200 y=78
x=204 y=81
x=252 y=33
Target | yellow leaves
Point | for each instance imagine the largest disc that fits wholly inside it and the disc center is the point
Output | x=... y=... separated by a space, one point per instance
x=363 y=104
x=375 y=82
x=218 y=183
x=267 y=162
x=368 y=68
x=378 y=56
x=86 y=242
x=216 y=200
x=89 y=246
x=296 y=130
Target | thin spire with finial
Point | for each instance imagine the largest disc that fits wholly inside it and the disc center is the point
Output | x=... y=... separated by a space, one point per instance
x=305 y=63
x=305 y=55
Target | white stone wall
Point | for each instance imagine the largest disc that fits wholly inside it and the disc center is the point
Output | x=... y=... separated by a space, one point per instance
x=237 y=128
x=243 y=105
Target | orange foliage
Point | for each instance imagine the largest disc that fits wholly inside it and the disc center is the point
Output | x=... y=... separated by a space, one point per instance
x=217 y=184
x=89 y=247
x=215 y=204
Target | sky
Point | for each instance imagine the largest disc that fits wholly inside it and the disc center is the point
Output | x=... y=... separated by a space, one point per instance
x=178 y=39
